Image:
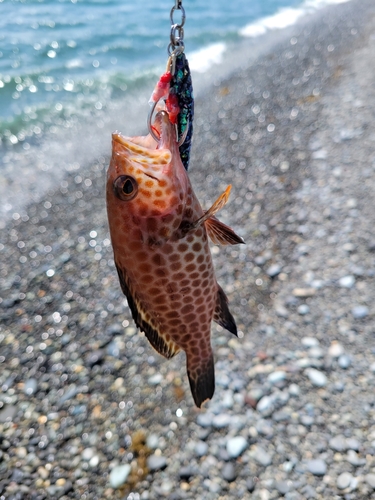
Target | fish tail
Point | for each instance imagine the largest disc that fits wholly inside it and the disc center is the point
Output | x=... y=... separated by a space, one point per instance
x=201 y=374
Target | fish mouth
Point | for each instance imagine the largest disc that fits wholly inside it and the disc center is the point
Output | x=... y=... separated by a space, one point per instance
x=165 y=129
x=144 y=150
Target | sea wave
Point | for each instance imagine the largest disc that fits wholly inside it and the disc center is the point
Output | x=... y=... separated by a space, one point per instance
x=284 y=17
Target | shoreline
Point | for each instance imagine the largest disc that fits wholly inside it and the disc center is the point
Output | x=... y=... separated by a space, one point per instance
x=297 y=386
x=50 y=156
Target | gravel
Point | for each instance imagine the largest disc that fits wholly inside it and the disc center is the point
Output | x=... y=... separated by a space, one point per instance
x=89 y=410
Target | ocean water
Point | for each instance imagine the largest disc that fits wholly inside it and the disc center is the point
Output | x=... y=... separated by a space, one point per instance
x=72 y=71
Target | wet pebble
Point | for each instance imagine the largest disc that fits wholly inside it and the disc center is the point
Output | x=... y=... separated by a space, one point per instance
x=360 y=312
x=276 y=377
x=221 y=421
x=370 y=480
x=347 y=281
x=317 y=466
x=229 y=472
x=236 y=446
x=31 y=386
x=261 y=456
x=338 y=443
x=119 y=475
x=344 y=361
x=335 y=350
x=303 y=309
x=344 y=480
x=265 y=406
x=316 y=377
x=274 y=270
x=201 y=448
x=156 y=462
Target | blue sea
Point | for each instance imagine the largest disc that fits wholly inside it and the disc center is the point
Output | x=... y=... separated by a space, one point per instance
x=72 y=71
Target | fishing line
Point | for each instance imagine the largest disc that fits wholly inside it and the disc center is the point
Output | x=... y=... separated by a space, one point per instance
x=175 y=88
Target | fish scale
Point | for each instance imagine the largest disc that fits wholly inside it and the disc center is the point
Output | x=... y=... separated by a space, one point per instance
x=159 y=235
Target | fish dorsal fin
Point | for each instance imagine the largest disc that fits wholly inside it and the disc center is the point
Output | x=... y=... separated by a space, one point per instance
x=143 y=321
x=222 y=315
x=218 y=205
x=220 y=233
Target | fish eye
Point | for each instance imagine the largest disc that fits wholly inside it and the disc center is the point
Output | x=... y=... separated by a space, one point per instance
x=125 y=187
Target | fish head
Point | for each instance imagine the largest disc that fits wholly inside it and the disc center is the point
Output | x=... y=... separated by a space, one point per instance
x=146 y=179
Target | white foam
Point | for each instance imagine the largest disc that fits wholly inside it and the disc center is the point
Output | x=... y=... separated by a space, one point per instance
x=284 y=17
x=203 y=59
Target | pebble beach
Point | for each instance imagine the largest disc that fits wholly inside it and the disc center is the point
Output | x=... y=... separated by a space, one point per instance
x=89 y=411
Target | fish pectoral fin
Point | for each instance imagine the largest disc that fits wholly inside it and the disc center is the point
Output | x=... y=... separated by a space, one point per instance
x=222 y=315
x=220 y=233
x=201 y=374
x=218 y=205
x=165 y=347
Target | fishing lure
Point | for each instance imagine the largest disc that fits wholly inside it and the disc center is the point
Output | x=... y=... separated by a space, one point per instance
x=176 y=89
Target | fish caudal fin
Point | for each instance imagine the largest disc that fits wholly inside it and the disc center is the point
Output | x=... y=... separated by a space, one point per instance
x=222 y=315
x=220 y=233
x=201 y=374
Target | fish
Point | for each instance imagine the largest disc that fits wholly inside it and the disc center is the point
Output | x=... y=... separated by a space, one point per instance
x=159 y=234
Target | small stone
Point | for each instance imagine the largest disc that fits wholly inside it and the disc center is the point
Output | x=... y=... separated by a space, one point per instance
x=317 y=466
x=310 y=342
x=304 y=292
x=94 y=461
x=221 y=421
x=360 y=312
x=260 y=455
x=88 y=453
x=282 y=487
x=250 y=485
x=370 y=480
x=7 y=413
x=70 y=393
x=303 y=309
x=201 y=448
x=43 y=473
x=274 y=270
x=316 y=352
x=31 y=386
x=276 y=377
x=338 y=443
x=353 y=444
x=307 y=420
x=316 y=377
x=115 y=329
x=353 y=458
x=119 y=475
x=344 y=480
x=95 y=358
x=156 y=462
x=204 y=419
x=236 y=446
x=229 y=472
x=21 y=452
x=294 y=390
x=186 y=473
x=335 y=350
x=155 y=379
x=344 y=361
x=347 y=281
x=265 y=406
x=152 y=441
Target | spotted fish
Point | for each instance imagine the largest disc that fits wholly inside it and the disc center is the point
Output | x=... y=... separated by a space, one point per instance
x=159 y=235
